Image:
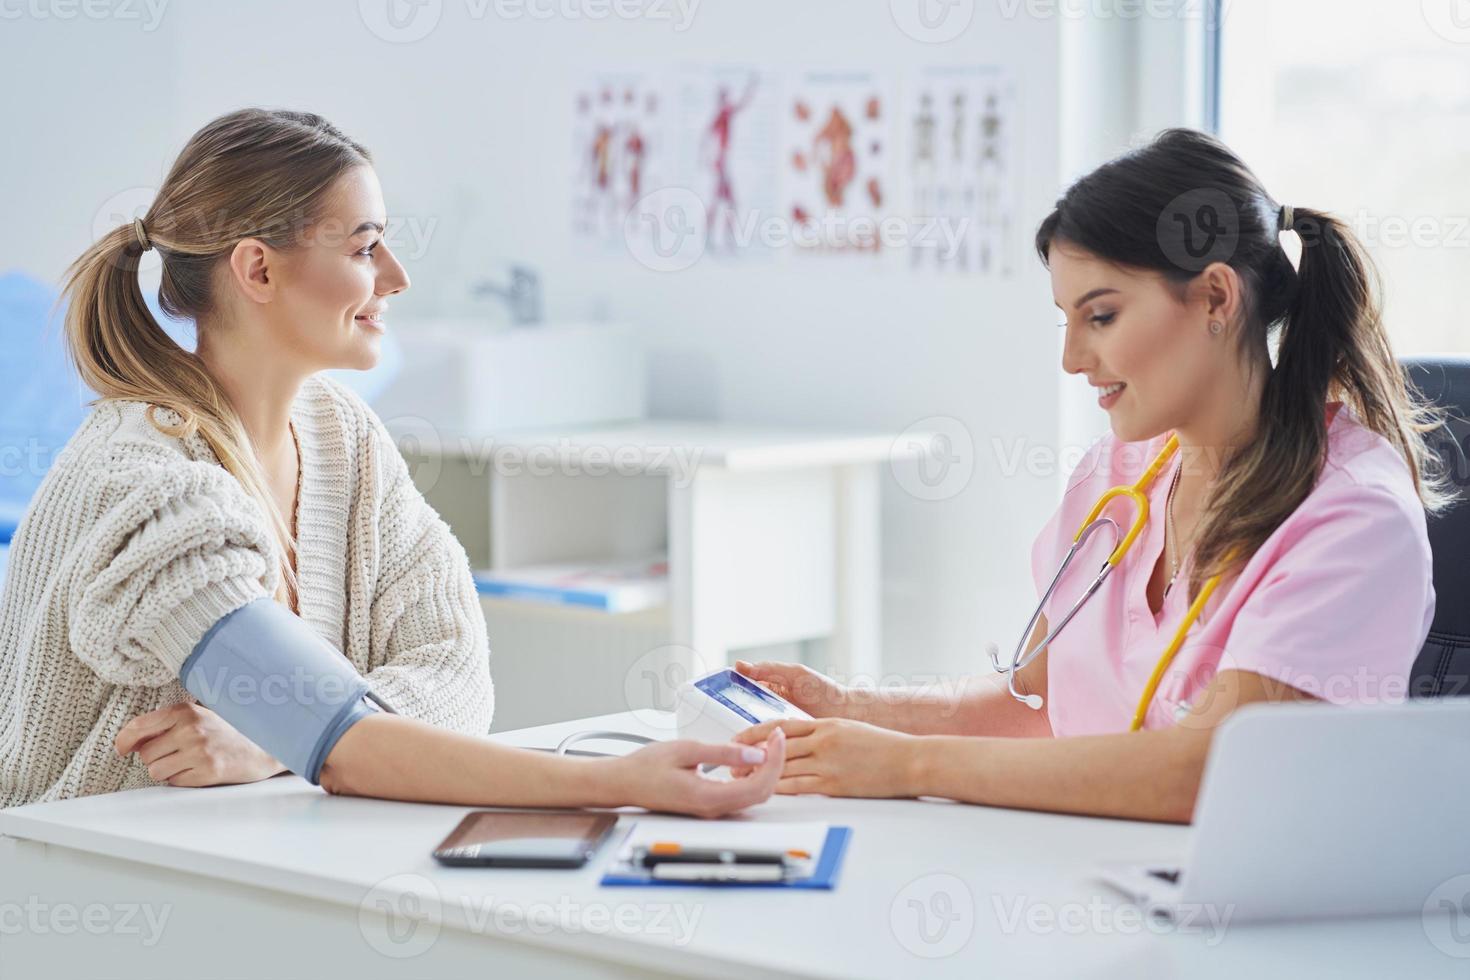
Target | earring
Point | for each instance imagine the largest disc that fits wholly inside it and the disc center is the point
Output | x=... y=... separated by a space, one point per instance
x=1216 y=326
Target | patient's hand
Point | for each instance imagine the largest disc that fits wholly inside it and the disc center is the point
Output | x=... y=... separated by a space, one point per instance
x=665 y=776
x=188 y=745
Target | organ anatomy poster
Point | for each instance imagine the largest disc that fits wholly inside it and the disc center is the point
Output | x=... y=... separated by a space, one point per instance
x=961 y=151
x=836 y=165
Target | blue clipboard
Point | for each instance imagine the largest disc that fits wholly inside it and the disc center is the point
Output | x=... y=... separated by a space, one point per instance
x=824 y=877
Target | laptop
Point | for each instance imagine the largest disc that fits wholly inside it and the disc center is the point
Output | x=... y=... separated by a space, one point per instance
x=1315 y=810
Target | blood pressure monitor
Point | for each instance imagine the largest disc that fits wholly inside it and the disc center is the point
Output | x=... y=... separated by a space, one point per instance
x=715 y=707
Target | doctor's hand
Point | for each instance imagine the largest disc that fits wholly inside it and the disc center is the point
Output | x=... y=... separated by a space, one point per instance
x=813 y=692
x=841 y=757
x=186 y=744
x=665 y=775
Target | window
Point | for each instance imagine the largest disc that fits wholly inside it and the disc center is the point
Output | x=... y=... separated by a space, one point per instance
x=1362 y=108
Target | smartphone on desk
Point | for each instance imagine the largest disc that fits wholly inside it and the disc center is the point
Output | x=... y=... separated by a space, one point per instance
x=525 y=839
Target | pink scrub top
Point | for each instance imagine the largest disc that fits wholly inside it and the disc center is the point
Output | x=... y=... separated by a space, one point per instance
x=1337 y=602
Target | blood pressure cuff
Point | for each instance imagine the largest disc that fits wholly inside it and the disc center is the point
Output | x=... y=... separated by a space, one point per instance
x=281 y=685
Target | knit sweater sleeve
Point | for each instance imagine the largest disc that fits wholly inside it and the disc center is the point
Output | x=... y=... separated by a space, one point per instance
x=430 y=655
x=176 y=544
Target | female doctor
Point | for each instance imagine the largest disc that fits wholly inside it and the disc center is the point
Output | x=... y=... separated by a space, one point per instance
x=1303 y=486
x=228 y=571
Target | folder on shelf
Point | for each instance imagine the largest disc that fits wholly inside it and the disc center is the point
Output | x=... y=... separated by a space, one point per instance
x=626 y=586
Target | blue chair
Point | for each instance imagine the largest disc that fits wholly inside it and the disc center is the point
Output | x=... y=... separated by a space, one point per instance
x=41 y=399
x=1443 y=665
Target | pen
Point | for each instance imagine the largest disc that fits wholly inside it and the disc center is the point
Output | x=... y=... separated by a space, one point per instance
x=666 y=852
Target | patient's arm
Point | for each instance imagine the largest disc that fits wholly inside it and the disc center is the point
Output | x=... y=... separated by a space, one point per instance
x=398 y=758
x=290 y=692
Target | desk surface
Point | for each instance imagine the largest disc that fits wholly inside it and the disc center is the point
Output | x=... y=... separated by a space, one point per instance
x=938 y=887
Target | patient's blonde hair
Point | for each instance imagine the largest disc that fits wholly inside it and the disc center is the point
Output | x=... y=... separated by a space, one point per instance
x=254 y=173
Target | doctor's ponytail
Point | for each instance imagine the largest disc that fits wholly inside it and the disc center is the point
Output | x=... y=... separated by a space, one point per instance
x=1185 y=201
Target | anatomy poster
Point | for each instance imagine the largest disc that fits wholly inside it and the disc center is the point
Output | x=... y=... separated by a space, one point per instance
x=621 y=148
x=729 y=133
x=835 y=161
x=961 y=150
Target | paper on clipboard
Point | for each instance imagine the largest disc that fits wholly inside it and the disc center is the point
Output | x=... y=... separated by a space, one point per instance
x=745 y=835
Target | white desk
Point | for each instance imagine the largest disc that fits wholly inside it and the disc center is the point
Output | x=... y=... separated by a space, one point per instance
x=280 y=879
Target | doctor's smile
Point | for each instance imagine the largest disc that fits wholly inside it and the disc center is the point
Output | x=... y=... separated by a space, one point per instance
x=1108 y=394
x=874 y=485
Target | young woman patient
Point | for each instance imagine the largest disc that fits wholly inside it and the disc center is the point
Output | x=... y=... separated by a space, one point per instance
x=1302 y=485
x=228 y=572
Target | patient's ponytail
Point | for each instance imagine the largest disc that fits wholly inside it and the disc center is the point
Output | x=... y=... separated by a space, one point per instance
x=253 y=173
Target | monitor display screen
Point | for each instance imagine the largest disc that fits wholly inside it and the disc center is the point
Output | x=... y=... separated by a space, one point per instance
x=745 y=696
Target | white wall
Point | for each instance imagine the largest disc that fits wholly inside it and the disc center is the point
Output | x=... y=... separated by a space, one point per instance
x=470 y=131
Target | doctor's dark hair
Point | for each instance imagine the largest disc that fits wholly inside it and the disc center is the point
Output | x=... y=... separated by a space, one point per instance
x=1185 y=201
x=254 y=173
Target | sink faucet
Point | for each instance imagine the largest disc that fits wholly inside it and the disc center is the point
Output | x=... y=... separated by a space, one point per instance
x=522 y=296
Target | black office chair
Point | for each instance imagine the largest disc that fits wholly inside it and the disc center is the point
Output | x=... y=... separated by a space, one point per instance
x=1443 y=665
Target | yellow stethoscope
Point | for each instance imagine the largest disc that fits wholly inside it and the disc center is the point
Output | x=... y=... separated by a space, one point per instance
x=1090 y=525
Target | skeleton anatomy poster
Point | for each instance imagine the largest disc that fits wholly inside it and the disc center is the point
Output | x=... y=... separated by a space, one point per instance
x=961 y=156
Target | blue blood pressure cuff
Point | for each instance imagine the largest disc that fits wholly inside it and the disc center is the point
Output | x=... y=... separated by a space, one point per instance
x=279 y=683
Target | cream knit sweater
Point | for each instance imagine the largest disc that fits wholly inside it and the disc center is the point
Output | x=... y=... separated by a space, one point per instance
x=136 y=542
